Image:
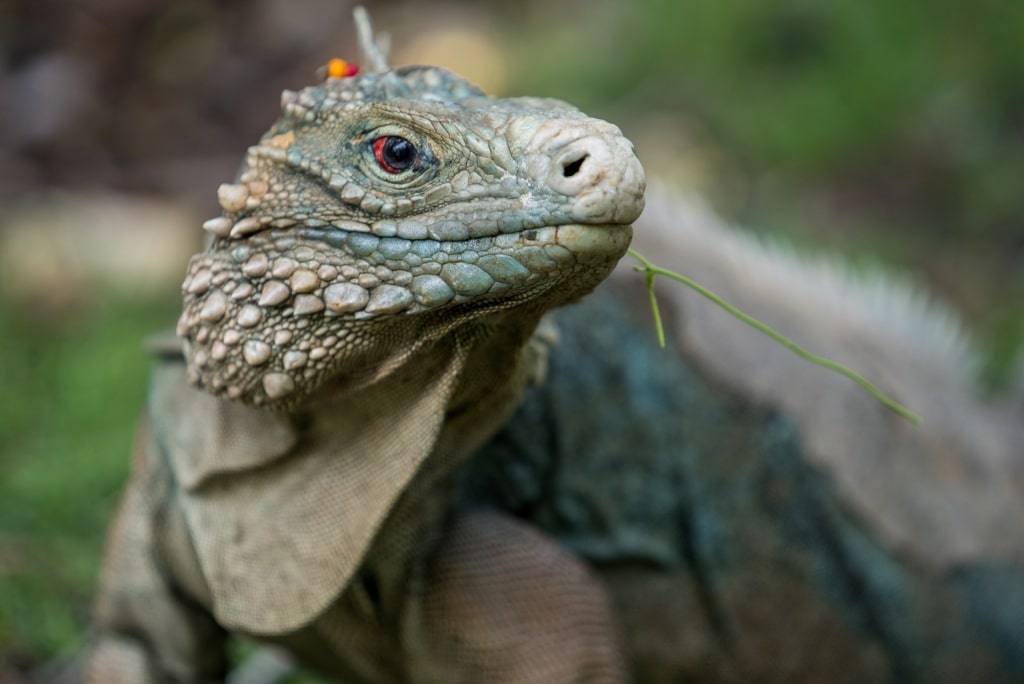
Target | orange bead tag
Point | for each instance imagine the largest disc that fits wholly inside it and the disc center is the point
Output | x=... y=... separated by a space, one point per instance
x=339 y=68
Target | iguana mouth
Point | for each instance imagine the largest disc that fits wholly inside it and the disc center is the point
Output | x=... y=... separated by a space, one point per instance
x=251 y=209
x=347 y=232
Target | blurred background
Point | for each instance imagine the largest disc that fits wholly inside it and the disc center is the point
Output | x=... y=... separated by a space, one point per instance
x=890 y=132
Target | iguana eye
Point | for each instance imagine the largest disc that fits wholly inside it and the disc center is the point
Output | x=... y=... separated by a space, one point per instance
x=394 y=154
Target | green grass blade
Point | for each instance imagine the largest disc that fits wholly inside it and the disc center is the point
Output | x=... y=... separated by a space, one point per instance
x=651 y=271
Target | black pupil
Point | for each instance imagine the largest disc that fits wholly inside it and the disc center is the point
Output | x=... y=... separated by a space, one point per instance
x=398 y=153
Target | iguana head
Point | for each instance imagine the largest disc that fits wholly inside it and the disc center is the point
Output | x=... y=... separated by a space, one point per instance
x=383 y=211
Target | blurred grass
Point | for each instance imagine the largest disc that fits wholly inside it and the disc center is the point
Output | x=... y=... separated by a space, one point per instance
x=890 y=131
x=72 y=391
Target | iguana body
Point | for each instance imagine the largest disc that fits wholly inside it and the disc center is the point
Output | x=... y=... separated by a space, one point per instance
x=339 y=466
x=757 y=518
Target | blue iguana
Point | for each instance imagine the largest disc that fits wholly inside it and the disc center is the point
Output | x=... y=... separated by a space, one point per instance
x=384 y=447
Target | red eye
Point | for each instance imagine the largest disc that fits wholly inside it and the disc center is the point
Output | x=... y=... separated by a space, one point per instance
x=394 y=154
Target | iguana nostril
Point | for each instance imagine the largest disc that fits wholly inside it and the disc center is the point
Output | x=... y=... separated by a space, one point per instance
x=571 y=168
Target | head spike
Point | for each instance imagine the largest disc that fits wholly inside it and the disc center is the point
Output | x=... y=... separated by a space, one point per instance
x=374 y=49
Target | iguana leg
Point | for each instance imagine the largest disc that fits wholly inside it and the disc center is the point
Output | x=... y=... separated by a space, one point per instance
x=504 y=603
x=148 y=630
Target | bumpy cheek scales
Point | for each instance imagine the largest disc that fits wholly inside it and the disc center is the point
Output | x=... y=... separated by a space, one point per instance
x=267 y=316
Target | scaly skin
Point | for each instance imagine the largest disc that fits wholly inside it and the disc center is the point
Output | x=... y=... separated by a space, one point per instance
x=376 y=278
x=324 y=261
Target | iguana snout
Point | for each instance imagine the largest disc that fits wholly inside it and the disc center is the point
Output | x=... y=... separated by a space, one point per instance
x=592 y=165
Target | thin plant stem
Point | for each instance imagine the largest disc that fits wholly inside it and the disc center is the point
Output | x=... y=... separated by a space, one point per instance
x=650 y=271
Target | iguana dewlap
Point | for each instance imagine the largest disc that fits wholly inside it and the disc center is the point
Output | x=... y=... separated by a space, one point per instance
x=383 y=451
